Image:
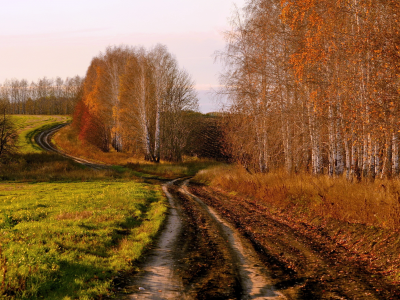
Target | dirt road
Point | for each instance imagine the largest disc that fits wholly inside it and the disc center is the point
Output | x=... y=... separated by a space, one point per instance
x=201 y=256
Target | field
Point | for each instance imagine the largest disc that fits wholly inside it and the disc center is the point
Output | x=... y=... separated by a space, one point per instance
x=68 y=232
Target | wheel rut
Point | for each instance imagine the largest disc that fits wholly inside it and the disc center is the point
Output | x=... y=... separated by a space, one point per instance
x=157 y=280
x=43 y=140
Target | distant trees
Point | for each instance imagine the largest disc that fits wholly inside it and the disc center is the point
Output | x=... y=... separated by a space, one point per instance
x=136 y=100
x=44 y=97
x=314 y=85
x=8 y=134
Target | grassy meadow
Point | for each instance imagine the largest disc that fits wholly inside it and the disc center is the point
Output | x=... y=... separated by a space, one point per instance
x=66 y=231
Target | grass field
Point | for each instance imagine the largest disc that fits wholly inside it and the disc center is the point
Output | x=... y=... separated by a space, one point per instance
x=68 y=232
x=69 y=240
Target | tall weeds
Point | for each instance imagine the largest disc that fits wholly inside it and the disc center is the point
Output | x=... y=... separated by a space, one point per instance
x=374 y=203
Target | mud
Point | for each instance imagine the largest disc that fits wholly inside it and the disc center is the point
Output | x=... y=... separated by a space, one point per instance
x=157 y=279
x=203 y=257
x=255 y=278
x=305 y=263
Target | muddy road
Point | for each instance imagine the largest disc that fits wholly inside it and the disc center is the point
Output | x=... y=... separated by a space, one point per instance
x=200 y=256
x=43 y=139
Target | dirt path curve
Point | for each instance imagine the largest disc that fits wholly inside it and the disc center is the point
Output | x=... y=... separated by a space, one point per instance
x=254 y=277
x=43 y=140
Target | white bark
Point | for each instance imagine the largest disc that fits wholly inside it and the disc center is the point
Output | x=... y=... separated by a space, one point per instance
x=316 y=156
x=339 y=154
x=395 y=153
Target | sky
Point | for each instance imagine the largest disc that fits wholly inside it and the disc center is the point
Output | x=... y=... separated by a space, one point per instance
x=59 y=38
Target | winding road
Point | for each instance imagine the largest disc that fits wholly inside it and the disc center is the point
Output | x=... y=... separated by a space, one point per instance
x=198 y=255
x=43 y=139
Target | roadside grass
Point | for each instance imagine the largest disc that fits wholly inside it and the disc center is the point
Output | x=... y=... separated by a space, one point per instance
x=29 y=125
x=371 y=203
x=67 y=141
x=69 y=240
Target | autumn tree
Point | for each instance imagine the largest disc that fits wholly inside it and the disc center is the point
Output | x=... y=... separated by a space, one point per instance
x=327 y=73
x=140 y=97
x=8 y=133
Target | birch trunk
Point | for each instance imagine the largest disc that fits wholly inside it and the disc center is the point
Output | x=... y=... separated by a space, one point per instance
x=315 y=144
x=395 y=154
x=339 y=138
x=143 y=117
x=332 y=144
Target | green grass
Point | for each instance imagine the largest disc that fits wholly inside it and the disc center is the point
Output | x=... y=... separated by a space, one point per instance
x=68 y=240
x=29 y=125
x=67 y=231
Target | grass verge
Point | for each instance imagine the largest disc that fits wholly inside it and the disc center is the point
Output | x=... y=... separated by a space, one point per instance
x=363 y=218
x=370 y=203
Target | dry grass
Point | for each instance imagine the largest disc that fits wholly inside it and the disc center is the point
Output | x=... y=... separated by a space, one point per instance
x=51 y=167
x=371 y=203
x=78 y=215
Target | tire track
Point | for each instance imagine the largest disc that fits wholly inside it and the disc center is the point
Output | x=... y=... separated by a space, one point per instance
x=158 y=279
x=254 y=278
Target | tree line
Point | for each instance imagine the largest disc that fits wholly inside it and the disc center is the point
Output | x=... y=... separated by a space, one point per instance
x=43 y=97
x=314 y=86
x=137 y=100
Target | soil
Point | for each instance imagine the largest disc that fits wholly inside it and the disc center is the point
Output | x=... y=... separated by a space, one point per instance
x=158 y=279
x=305 y=262
x=207 y=258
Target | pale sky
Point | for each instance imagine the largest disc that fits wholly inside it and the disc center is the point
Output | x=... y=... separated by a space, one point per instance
x=60 y=37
